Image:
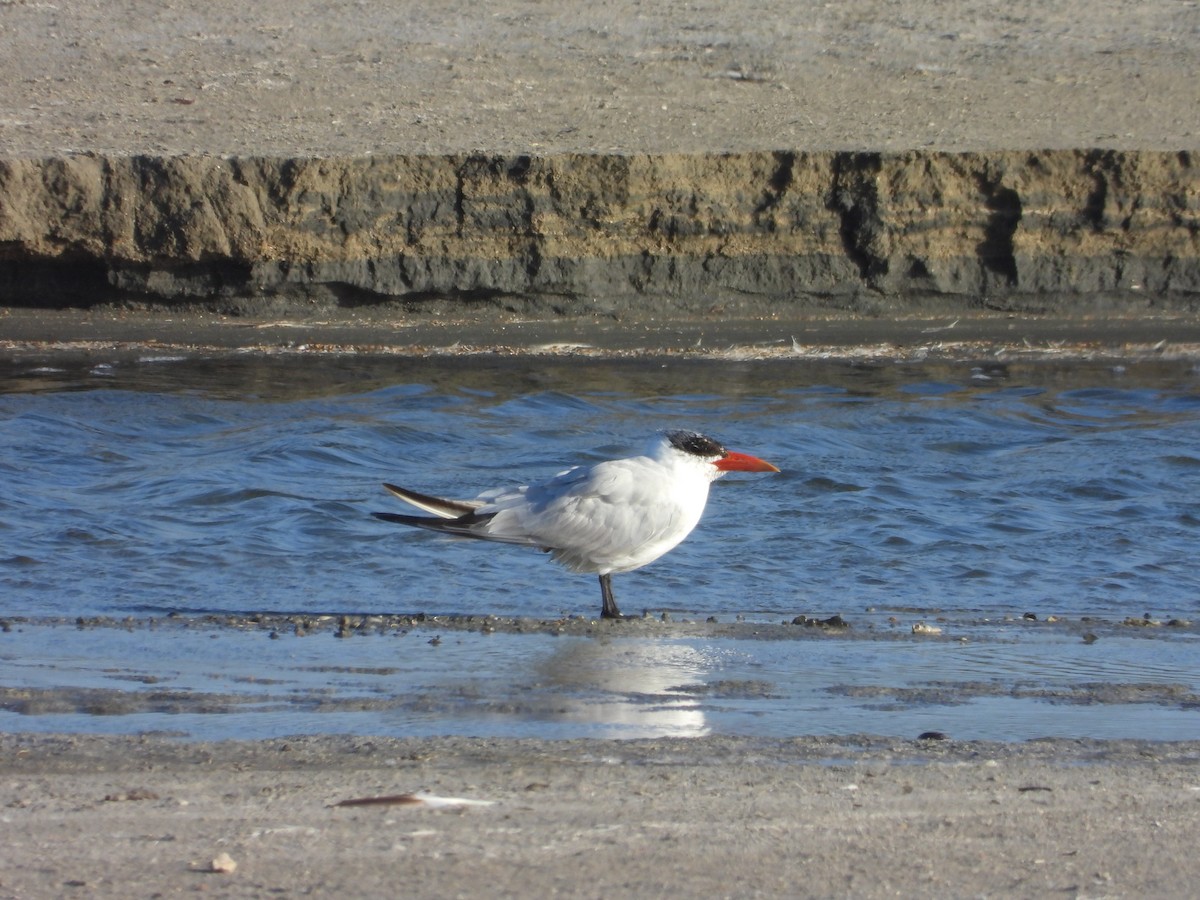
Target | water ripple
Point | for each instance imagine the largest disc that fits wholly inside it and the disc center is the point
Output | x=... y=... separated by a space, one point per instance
x=157 y=487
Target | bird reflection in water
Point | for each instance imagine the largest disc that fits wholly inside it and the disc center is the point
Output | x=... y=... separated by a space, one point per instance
x=636 y=688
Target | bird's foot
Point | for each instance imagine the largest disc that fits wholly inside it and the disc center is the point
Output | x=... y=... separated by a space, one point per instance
x=619 y=616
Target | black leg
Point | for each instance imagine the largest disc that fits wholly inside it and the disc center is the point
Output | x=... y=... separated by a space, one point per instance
x=609 y=611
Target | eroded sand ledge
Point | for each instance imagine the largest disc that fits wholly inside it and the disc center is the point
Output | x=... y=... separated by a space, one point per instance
x=1072 y=232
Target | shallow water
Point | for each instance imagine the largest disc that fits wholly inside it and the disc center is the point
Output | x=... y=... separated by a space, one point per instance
x=949 y=494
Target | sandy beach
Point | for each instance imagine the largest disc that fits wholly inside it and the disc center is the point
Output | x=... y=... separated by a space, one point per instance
x=510 y=77
x=728 y=817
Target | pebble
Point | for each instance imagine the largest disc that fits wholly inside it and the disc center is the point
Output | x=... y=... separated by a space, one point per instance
x=224 y=864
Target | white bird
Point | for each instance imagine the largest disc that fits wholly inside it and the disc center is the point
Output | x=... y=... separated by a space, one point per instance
x=615 y=516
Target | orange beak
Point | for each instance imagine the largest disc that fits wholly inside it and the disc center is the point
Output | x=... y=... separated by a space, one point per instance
x=743 y=462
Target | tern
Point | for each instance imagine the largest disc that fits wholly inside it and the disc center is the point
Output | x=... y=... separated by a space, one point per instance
x=615 y=516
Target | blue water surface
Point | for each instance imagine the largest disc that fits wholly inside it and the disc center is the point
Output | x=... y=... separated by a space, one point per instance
x=963 y=494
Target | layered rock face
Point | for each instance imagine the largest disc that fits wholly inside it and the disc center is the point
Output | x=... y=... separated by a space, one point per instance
x=1064 y=230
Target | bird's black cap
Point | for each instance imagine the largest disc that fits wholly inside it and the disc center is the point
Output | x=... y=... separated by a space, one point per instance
x=695 y=444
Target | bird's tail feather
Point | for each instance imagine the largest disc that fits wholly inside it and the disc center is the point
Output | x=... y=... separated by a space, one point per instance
x=469 y=525
x=451 y=526
x=438 y=506
x=456 y=517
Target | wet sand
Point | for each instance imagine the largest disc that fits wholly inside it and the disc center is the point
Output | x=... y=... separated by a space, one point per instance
x=869 y=817
x=123 y=334
x=268 y=675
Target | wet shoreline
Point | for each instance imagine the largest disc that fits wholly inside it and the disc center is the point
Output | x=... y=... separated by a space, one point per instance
x=459 y=333
x=659 y=675
x=875 y=624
